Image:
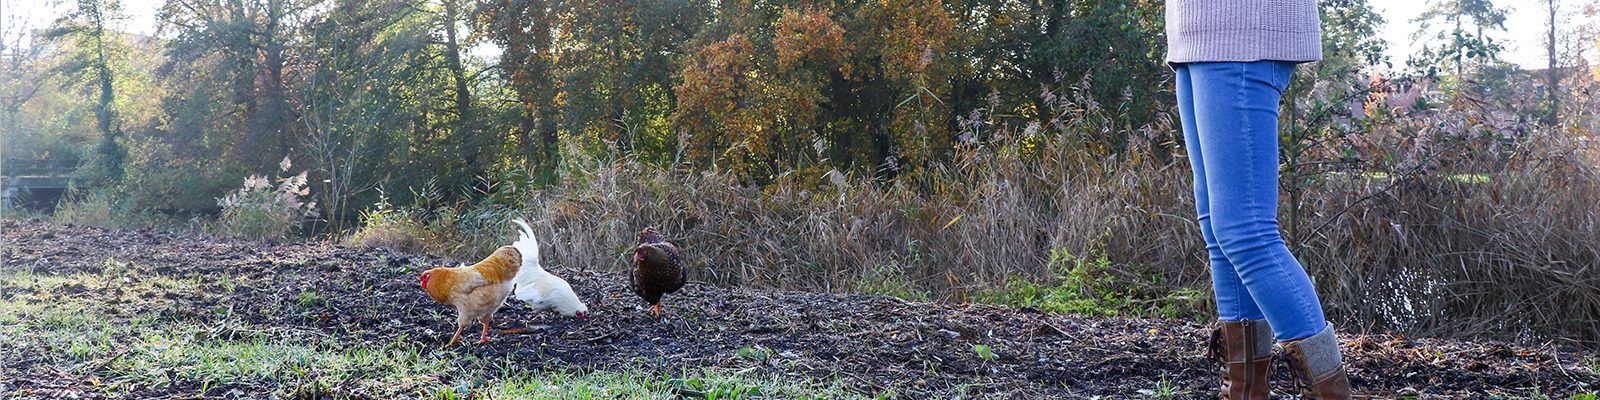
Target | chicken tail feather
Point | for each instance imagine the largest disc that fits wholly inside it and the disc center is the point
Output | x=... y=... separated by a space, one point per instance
x=527 y=245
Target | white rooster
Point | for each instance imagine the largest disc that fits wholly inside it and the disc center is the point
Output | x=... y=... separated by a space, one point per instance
x=539 y=288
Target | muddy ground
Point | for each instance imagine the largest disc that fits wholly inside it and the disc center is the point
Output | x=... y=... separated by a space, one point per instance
x=878 y=344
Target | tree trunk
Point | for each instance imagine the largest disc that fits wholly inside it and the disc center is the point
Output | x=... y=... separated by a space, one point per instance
x=468 y=142
x=106 y=114
x=524 y=28
x=1552 y=74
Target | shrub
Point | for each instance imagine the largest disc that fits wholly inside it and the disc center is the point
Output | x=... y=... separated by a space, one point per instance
x=1079 y=286
x=398 y=229
x=261 y=211
x=461 y=230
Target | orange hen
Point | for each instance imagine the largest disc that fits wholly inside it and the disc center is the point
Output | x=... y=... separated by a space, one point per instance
x=476 y=291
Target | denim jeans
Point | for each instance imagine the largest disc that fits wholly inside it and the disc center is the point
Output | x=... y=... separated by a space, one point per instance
x=1230 y=127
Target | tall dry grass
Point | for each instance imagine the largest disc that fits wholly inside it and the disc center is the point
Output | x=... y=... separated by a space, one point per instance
x=1444 y=231
x=1466 y=240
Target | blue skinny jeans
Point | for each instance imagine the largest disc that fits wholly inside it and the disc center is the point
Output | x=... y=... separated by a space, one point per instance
x=1230 y=127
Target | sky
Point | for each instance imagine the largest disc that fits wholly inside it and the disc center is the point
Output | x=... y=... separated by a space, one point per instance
x=1524 y=25
x=1525 y=29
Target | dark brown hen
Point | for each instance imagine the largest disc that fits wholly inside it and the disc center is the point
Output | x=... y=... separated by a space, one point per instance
x=657 y=269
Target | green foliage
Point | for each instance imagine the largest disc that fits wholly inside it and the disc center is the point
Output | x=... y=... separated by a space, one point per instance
x=86 y=27
x=984 y=352
x=754 y=353
x=1453 y=36
x=1079 y=286
x=311 y=299
x=102 y=208
x=459 y=229
x=1165 y=389
x=1093 y=285
x=89 y=208
x=890 y=280
x=161 y=180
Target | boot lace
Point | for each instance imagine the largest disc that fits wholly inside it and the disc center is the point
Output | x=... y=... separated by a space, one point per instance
x=1297 y=369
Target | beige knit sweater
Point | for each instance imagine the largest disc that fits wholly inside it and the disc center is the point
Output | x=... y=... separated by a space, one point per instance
x=1243 y=30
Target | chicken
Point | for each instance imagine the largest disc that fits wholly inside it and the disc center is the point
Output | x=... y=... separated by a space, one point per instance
x=540 y=289
x=478 y=290
x=658 y=269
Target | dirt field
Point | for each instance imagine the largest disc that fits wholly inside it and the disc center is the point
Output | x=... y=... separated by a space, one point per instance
x=93 y=313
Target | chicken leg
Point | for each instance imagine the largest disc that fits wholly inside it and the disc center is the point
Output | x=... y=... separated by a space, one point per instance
x=457 y=337
x=484 y=336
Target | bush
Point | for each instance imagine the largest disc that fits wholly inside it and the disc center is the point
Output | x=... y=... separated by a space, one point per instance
x=463 y=230
x=397 y=229
x=260 y=211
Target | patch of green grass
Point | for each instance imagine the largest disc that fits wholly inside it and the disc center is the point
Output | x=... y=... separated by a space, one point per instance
x=311 y=300
x=139 y=349
x=1092 y=285
x=984 y=352
x=692 y=384
x=1164 y=389
x=388 y=368
x=21 y=214
x=753 y=353
x=890 y=280
x=143 y=352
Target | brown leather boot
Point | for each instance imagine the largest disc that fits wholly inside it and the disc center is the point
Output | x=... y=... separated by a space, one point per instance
x=1244 y=348
x=1317 y=367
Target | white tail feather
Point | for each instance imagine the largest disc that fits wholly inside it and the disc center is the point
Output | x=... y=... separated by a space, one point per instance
x=527 y=245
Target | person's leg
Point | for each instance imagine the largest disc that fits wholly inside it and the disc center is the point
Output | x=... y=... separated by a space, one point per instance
x=1236 y=117
x=1242 y=341
x=1233 y=301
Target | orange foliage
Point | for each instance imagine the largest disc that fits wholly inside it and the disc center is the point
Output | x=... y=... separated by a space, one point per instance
x=711 y=96
x=810 y=35
x=917 y=31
